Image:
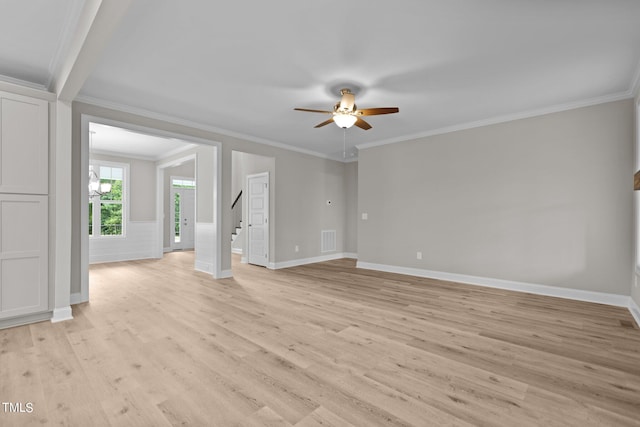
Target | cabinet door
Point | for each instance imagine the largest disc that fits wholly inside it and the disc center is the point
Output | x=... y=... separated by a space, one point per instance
x=23 y=255
x=24 y=144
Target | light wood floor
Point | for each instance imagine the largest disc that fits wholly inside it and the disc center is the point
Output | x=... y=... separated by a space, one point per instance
x=325 y=344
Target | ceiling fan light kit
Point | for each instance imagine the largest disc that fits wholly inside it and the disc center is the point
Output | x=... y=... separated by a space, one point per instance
x=344 y=120
x=346 y=114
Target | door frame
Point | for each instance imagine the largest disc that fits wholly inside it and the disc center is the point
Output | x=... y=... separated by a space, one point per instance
x=172 y=192
x=267 y=209
x=85 y=119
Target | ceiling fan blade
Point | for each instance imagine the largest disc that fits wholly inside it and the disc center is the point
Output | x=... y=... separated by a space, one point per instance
x=313 y=111
x=362 y=124
x=377 y=111
x=326 y=122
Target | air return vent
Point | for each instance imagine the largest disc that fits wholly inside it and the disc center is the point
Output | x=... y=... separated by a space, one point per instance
x=328 y=241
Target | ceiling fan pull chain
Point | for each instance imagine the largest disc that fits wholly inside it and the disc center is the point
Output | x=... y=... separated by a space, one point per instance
x=344 y=143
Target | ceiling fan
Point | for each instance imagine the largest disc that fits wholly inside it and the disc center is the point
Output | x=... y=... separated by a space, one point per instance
x=346 y=114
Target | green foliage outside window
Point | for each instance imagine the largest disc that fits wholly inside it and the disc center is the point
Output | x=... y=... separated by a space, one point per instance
x=177 y=216
x=109 y=205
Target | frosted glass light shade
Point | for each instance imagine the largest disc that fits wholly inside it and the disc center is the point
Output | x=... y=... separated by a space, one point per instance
x=344 y=120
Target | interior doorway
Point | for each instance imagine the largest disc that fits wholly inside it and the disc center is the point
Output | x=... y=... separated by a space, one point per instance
x=130 y=218
x=182 y=205
x=244 y=165
x=258 y=219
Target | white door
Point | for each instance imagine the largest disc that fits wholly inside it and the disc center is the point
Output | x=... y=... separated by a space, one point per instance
x=258 y=218
x=183 y=204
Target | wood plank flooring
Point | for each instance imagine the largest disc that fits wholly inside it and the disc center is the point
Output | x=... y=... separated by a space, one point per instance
x=319 y=345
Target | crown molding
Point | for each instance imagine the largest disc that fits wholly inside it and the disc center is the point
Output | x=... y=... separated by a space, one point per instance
x=633 y=91
x=503 y=119
x=195 y=125
x=24 y=84
x=72 y=15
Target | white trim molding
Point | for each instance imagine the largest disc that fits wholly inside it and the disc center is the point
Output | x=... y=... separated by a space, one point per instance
x=24 y=320
x=554 y=291
x=305 y=261
x=205 y=247
x=203 y=267
x=226 y=274
x=61 y=314
x=635 y=310
x=194 y=125
x=502 y=119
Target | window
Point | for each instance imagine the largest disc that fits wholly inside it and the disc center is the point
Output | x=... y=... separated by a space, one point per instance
x=176 y=216
x=107 y=211
x=183 y=183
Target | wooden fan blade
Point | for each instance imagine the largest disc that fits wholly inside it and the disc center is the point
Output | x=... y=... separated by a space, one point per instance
x=377 y=111
x=362 y=124
x=326 y=122
x=313 y=111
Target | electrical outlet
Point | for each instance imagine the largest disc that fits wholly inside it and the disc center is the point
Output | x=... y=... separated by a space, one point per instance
x=297 y=248
x=418 y=255
x=365 y=216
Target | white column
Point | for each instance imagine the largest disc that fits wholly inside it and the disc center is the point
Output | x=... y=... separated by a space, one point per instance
x=61 y=207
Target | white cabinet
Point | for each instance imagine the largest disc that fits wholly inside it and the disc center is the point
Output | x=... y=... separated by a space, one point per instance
x=24 y=143
x=24 y=185
x=23 y=255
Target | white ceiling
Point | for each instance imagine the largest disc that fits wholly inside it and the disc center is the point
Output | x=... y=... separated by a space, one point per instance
x=35 y=36
x=105 y=139
x=241 y=67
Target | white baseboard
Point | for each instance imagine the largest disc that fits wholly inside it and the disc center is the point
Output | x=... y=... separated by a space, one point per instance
x=304 y=261
x=25 y=320
x=225 y=274
x=635 y=310
x=350 y=255
x=236 y=251
x=61 y=314
x=205 y=267
x=165 y=250
x=554 y=291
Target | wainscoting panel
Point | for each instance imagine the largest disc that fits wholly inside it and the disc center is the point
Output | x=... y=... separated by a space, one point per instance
x=139 y=243
x=205 y=247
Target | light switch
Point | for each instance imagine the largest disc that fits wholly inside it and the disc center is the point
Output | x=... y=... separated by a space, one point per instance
x=365 y=216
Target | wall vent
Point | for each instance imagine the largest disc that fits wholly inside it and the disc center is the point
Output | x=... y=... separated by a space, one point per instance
x=328 y=241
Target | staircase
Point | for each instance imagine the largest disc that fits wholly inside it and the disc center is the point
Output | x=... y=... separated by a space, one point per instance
x=236 y=232
x=236 y=213
x=237 y=240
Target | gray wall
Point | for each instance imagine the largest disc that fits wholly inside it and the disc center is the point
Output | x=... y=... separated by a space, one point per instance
x=351 y=212
x=545 y=200
x=300 y=188
x=142 y=186
x=304 y=184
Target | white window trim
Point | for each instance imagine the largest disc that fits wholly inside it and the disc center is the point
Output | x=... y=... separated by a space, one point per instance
x=125 y=196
